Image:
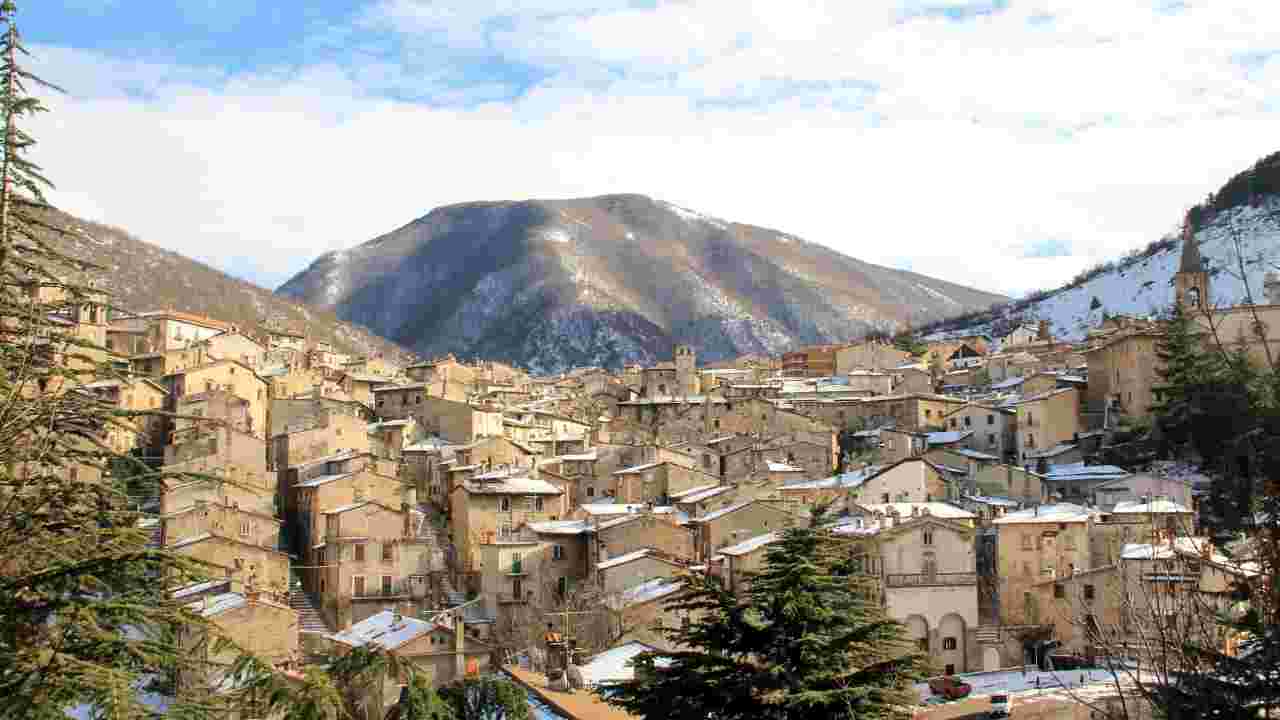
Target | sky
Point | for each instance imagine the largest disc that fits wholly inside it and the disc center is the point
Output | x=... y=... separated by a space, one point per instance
x=1000 y=144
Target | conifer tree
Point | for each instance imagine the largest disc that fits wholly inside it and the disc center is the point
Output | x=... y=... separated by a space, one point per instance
x=83 y=618
x=1185 y=368
x=809 y=640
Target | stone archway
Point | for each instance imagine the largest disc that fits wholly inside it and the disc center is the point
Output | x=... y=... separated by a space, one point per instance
x=951 y=642
x=990 y=658
x=918 y=630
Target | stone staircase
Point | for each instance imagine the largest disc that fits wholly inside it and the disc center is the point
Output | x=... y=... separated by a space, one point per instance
x=310 y=620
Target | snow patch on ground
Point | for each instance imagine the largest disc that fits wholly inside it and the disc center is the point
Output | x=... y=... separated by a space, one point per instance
x=557 y=235
x=693 y=216
x=934 y=293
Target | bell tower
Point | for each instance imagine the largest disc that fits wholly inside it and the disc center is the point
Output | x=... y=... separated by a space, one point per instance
x=1191 y=282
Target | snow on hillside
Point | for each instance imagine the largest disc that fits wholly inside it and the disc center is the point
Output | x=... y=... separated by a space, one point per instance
x=1145 y=287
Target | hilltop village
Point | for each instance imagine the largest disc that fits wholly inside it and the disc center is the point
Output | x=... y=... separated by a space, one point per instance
x=460 y=513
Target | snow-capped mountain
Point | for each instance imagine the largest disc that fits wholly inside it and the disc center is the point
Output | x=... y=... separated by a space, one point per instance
x=550 y=284
x=1142 y=284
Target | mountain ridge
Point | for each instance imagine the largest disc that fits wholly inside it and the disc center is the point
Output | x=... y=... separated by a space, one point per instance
x=613 y=278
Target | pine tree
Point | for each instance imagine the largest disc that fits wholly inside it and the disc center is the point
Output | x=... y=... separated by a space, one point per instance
x=1185 y=367
x=809 y=640
x=83 y=618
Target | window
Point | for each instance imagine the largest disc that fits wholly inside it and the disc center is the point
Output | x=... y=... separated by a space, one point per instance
x=968 y=422
x=504 y=504
x=386 y=552
x=1026 y=541
x=950 y=669
x=949 y=644
x=386 y=584
x=517 y=589
x=1088 y=592
x=537 y=503
x=359 y=550
x=715 y=424
x=991 y=439
x=952 y=422
x=1059 y=592
x=357 y=586
x=244 y=528
x=591 y=492
x=991 y=419
x=928 y=413
x=562 y=585
x=706 y=461
x=884 y=498
x=923 y=643
x=557 y=552
x=928 y=537
x=1026 y=568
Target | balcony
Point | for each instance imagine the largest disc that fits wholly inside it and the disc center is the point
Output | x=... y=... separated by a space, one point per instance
x=903 y=580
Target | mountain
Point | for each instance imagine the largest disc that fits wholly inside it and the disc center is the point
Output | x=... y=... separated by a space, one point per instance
x=140 y=276
x=1236 y=227
x=550 y=284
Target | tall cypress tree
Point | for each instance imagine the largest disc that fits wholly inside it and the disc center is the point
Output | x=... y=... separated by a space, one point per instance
x=809 y=641
x=1185 y=368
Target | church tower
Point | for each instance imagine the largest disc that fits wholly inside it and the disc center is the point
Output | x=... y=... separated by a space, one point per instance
x=686 y=370
x=1191 y=282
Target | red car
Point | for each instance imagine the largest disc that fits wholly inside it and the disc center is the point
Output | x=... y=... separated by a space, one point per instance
x=949 y=687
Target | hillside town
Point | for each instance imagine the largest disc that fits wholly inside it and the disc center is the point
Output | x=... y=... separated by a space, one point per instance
x=468 y=516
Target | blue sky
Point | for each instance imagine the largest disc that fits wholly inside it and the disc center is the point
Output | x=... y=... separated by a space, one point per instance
x=1000 y=144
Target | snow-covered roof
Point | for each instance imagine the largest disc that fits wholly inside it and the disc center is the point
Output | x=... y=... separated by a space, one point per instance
x=749 y=544
x=1057 y=512
x=611 y=508
x=560 y=527
x=1149 y=507
x=698 y=494
x=218 y=604
x=637 y=468
x=1056 y=450
x=615 y=664
x=191 y=540
x=850 y=479
x=513 y=486
x=943 y=510
x=580 y=456
x=623 y=559
x=723 y=511
x=321 y=480
x=386 y=630
x=1008 y=383
x=655 y=589
x=197 y=588
x=783 y=467
x=973 y=454
x=348 y=507
x=989 y=500
x=950 y=436
x=1080 y=471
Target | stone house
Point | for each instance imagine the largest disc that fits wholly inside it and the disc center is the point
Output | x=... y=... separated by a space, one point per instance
x=916 y=412
x=623 y=572
x=923 y=556
x=231 y=345
x=1145 y=485
x=231 y=376
x=656 y=482
x=993 y=427
x=442 y=651
x=869 y=355
x=628 y=533
x=733 y=524
x=1149 y=521
x=1046 y=420
x=1010 y=481
x=360 y=386
x=446 y=378
x=1122 y=372
x=1041 y=543
x=491 y=507
x=146 y=432
x=458 y=422
x=373 y=559
x=251 y=620
x=909 y=480
x=220 y=518
x=743 y=559
x=245 y=564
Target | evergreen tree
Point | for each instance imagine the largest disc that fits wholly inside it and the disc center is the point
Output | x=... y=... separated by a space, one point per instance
x=1185 y=368
x=809 y=640
x=487 y=696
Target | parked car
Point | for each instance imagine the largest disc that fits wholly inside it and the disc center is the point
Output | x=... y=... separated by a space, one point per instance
x=950 y=687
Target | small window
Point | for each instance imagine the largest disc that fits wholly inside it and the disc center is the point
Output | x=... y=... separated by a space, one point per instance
x=591 y=492
x=359 y=550
x=386 y=552
x=949 y=644
x=1088 y=592
x=386 y=584
x=505 y=504
x=951 y=669
x=1059 y=592
x=1027 y=542
x=991 y=419
x=537 y=503
x=884 y=498
x=991 y=439
x=557 y=552
x=928 y=537
x=244 y=528
x=357 y=586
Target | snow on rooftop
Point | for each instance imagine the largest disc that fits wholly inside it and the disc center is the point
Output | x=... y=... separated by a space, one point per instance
x=218 y=604
x=580 y=456
x=655 y=589
x=615 y=664
x=637 y=468
x=1057 y=512
x=1054 y=451
x=387 y=630
x=1080 y=471
x=724 y=511
x=850 y=479
x=320 y=480
x=1148 y=507
x=750 y=544
x=513 y=486
x=936 y=509
x=623 y=559
x=560 y=527
x=684 y=495
x=783 y=467
x=950 y=436
x=973 y=454
x=611 y=508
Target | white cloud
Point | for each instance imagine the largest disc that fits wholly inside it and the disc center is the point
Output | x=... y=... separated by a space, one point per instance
x=875 y=129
